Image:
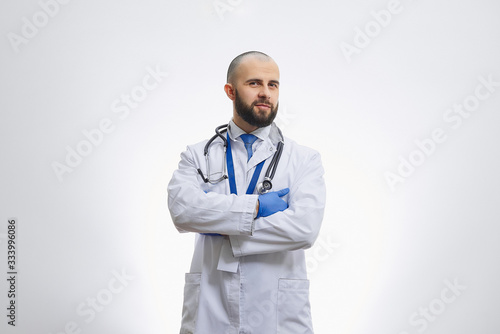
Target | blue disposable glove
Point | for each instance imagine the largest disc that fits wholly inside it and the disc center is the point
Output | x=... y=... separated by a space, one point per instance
x=271 y=203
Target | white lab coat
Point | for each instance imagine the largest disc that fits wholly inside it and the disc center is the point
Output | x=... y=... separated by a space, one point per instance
x=253 y=280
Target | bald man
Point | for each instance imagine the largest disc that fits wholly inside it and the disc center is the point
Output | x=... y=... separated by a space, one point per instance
x=255 y=203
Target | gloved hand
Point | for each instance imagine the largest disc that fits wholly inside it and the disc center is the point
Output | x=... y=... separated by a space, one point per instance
x=271 y=203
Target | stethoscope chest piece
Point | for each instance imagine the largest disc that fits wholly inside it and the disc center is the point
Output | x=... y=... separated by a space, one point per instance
x=265 y=186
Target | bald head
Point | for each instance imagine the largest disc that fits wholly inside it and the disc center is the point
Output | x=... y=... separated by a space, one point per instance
x=253 y=86
x=233 y=67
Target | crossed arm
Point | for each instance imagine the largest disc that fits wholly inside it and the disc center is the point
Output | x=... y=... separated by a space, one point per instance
x=293 y=227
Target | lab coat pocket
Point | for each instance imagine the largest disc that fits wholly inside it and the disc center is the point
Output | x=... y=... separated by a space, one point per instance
x=191 y=300
x=294 y=310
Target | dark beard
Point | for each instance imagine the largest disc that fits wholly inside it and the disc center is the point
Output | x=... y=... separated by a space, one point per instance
x=246 y=112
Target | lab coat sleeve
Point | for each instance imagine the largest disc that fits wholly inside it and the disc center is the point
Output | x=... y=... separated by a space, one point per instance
x=194 y=210
x=296 y=227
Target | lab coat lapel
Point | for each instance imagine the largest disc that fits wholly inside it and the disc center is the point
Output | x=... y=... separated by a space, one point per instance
x=265 y=150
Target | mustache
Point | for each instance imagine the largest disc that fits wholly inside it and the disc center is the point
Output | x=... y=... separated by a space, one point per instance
x=262 y=102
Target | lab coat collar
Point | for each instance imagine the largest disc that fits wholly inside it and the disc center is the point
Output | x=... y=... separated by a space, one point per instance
x=269 y=135
x=271 y=131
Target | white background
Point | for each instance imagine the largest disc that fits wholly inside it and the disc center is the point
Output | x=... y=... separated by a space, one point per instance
x=383 y=256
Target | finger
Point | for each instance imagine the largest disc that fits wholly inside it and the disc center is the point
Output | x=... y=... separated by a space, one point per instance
x=283 y=192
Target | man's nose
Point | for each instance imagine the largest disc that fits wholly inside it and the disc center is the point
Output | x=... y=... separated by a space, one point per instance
x=264 y=92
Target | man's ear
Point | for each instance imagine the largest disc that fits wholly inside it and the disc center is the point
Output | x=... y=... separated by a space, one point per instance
x=228 y=88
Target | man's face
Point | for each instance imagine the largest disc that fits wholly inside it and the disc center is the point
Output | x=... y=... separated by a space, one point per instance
x=256 y=92
x=255 y=113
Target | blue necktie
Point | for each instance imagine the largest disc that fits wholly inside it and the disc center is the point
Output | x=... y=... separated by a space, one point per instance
x=248 y=140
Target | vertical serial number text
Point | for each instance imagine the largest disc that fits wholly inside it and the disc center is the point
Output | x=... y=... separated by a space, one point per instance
x=12 y=249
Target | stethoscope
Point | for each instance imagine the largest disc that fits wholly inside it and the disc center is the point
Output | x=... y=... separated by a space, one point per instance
x=263 y=187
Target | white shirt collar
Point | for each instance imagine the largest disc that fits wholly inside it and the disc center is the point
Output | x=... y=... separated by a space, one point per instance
x=235 y=131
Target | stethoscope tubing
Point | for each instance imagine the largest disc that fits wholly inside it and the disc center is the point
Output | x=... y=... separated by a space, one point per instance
x=271 y=169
